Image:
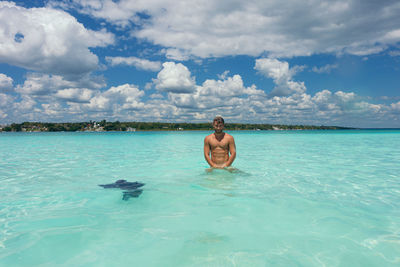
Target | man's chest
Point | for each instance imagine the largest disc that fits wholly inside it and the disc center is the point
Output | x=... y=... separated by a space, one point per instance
x=214 y=143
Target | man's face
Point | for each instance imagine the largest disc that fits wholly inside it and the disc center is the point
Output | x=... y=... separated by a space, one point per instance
x=218 y=126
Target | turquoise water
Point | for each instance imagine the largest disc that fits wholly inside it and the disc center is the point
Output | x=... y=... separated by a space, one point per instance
x=301 y=198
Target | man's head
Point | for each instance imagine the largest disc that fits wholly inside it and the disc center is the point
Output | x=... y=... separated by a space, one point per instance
x=218 y=124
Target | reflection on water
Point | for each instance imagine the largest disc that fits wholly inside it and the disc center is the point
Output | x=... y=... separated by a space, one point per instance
x=226 y=169
x=220 y=179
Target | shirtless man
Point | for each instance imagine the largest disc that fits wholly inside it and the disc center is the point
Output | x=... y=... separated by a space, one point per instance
x=220 y=145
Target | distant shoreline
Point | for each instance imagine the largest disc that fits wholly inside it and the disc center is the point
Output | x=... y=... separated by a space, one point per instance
x=104 y=126
x=226 y=130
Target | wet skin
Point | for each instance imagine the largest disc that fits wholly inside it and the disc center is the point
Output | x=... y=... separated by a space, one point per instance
x=221 y=146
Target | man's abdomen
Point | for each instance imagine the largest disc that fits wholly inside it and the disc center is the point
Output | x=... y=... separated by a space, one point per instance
x=219 y=158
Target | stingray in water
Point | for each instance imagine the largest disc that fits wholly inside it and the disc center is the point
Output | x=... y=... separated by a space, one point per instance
x=131 y=188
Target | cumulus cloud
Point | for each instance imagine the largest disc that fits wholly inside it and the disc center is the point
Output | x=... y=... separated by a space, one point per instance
x=48 y=40
x=123 y=97
x=27 y=103
x=75 y=95
x=228 y=92
x=176 y=54
x=5 y=100
x=219 y=28
x=395 y=107
x=334 y=103
x=119 y=13
x=325 y=107
x=6 y=83
x=175 y=78
x=228 y=95
x=156 y=96
x=38 y=84
x=273 y=68
x=345 y=97
x=54 y=110
x=280 y=72
x=139 y=63
x=121 y=102
x=227 y=87
x=3 y=115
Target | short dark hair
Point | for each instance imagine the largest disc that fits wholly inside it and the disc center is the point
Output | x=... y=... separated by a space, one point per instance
x=218 y=119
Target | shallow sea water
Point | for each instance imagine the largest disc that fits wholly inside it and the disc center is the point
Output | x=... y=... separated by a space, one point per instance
x=301 y=198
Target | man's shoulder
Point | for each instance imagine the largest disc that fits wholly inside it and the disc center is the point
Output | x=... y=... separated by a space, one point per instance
x=229 y=136
x=208 y=137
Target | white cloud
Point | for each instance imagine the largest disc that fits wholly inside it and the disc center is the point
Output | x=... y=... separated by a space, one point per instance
x=27 y=104
x=395 y=107
x=156 y=96
x=53 y=110
x=6 y=83
x=48 y=40
x=38 y=84
x=121 y=13
x=75 y=95
x=226 y=95
x=3 y=115
x=223 y=75
x=42 y=84
x=123 y=97
x=227 y=87
x=325 y=69
x=204 y=29
x=5 y=100
x=345 y=97
x=139 y=63
x=175 y=78
x=98 y=103
x=394 y=53
x=281 y=74
x=273 y=68
x=176 y=54
x=323 y=100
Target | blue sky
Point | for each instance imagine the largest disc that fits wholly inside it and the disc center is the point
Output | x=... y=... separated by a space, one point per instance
x=292 y=62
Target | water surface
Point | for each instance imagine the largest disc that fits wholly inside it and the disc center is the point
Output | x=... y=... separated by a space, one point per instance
x=301 y=198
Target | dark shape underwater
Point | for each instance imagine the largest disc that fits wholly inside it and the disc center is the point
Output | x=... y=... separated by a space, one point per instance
x=131 y=188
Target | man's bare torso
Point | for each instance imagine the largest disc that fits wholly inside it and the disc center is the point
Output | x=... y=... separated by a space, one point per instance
x=219 y=147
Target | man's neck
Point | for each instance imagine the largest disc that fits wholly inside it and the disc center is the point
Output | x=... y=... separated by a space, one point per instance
x=219 y=136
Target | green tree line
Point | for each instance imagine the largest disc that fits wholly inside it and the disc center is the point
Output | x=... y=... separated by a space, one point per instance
x=147 y=126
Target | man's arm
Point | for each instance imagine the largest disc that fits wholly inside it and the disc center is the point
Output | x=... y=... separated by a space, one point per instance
x=232 y=151
x=207 y=153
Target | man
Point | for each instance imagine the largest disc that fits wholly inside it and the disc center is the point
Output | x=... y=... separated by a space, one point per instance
x=221 y=145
